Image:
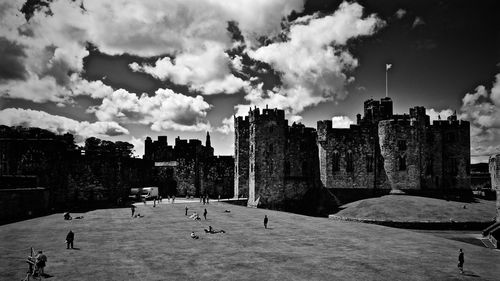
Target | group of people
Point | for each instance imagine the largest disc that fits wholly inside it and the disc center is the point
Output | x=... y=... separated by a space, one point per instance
x=205 y=199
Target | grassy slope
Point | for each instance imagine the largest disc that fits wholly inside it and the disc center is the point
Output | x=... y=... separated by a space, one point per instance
x=158 y=247
x=415 y=208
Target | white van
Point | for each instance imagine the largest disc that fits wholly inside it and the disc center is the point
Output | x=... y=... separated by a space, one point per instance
x=150 y=192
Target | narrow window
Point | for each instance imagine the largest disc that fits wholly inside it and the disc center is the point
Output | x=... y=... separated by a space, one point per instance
x=287 y=168
x=304 y=169
x=349 y=162
x=429 y=166
x=402 y=163
x=335 y=161
x=401 y=145
x=369 y=163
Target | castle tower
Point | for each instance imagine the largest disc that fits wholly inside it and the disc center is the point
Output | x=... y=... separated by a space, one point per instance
x=267 y=140
x=148 y=149
x=241 y=160
x=207 y=141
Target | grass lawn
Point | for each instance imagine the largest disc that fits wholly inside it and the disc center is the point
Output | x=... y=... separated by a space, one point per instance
x=113 y=246
x=415 y=208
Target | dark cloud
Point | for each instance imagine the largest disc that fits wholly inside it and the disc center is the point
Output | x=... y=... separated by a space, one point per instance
x=11 y=60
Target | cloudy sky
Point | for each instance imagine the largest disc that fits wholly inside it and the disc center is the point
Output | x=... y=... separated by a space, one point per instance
x=125 y=69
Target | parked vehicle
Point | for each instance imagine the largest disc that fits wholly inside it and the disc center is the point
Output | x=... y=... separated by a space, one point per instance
x=149 y=193
x=135 y=194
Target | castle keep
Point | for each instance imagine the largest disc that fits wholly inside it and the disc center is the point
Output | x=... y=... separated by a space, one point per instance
x=276 y=163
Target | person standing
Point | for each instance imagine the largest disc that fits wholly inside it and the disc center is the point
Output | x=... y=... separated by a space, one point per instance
x=186 y=208
x=461 y=261
x=205 y=214
x=132 y=208
x=266 y=220
x=69 y=239
x=40 y=263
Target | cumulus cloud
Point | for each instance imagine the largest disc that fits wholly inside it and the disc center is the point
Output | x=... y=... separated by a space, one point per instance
x=138 y=144
x=59 y=124
x=227 y=126
x=482 y=109
x=439 y=114
x=417 y=22
x=400 y=13
x=53 y=43
x=207 y=70
x=314 y=68
x=341 y=122
x=165 y=110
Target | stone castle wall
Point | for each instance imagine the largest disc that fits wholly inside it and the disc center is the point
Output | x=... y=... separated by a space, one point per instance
x=400 y=147
x=494 y=163
x=348 y=157
x=241 y=156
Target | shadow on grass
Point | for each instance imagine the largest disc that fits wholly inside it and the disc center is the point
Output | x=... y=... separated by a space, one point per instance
x=75 y=248
x=470 y=273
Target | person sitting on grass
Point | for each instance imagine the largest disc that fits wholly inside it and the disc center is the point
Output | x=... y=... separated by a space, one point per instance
x=195 y=216
x=213 y=231
x=194 y=236
x=67 y=216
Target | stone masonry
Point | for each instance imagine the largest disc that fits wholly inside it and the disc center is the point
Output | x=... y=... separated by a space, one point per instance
x=495 y=179
x=383 y=151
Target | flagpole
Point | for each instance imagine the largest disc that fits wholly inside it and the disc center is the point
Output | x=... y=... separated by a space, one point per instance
x=386 y=95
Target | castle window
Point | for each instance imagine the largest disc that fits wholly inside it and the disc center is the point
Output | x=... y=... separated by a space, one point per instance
x=369 y=163
x=335 y=161
x=349 y=162
x=251 y=168
x=304 y=169
x=429 y=167
x=401 y=145
x=453 y=166
x=287 y=168
x=402 y=163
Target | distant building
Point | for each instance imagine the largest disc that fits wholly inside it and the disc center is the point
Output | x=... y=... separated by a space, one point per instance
x=190 y=168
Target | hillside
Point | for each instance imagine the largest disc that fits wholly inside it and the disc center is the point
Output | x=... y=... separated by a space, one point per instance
x=415 y=208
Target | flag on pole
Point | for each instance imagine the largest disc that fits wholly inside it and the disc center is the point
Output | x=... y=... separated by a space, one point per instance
x=388 y=66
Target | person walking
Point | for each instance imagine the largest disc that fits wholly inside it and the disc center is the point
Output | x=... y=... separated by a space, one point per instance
x=461 y=261
x=69 y=239
x=205 y=214
x=132 y=208
x=266 y=220
x=186 y=208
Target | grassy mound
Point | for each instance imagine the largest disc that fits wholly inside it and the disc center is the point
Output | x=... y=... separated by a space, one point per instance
x=113 y=246
x=415 y=208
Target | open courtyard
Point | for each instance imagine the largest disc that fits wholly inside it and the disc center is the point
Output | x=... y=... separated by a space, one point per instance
x=110 y=245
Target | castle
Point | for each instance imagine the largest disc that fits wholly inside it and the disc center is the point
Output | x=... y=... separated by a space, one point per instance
x=277 y=164
x=190 y=168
